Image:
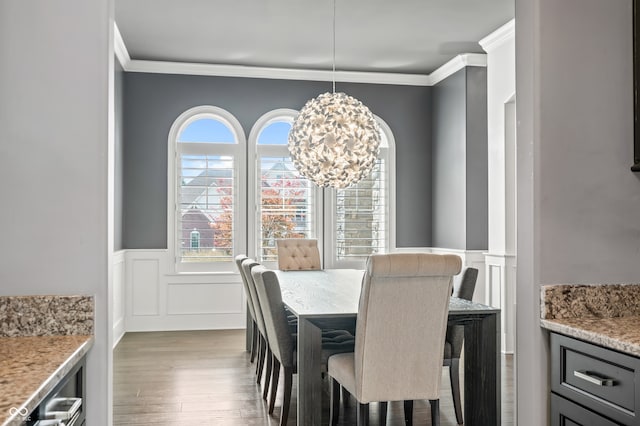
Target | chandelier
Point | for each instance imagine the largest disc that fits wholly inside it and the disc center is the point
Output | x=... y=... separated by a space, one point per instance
x=335 y=139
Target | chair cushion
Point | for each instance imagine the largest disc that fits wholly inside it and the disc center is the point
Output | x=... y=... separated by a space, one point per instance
x=342 y=368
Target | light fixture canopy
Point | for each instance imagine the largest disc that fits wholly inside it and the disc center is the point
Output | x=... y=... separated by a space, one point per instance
x=335 y=140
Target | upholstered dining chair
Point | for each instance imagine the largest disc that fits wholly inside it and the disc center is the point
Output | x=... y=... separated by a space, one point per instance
x=282 y=341
x=252 y=313
x=454 y=340
x=302 y=254
x=264 y=351
x=298 y=254
x=400 y=332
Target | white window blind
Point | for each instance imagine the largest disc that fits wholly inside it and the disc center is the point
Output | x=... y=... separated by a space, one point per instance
x=286 y=204
x=361 y=216
x=207 y=191
x=206 y=205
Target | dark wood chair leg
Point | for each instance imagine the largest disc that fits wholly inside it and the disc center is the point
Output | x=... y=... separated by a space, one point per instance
x=363 y=414
x=435 y=412
x=288 y=384
x=408 y=412
x=258 y=347
x=254 y=341
x=346 y=397
x=454 y=376
x=382 y=413
x=261 y=356
x=267 y=374
x=274 y=384
x=334 y=397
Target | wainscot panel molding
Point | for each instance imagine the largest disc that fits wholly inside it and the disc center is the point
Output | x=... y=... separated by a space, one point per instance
x=119 y=279
x=501 y=289
x=157 y=300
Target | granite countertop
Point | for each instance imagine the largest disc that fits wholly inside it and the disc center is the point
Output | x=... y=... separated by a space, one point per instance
x=607 y=315
x=42 y=338
x=31 y=366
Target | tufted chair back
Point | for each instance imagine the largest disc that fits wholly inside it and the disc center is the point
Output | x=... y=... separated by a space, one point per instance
x=402 y=320
x=298 y=254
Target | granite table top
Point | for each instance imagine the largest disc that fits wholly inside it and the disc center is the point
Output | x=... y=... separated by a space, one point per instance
x=31 y=366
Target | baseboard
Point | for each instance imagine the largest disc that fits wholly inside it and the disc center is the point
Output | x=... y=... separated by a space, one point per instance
x=118 y=331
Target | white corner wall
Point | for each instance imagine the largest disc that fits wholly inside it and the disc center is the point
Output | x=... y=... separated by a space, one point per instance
x=500 y=258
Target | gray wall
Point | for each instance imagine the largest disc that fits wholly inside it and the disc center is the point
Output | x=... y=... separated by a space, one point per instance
x=477 y=185
x=55 y=77
x=152 y=102
x=460 y=160
x=578 y=202
x=119 y=156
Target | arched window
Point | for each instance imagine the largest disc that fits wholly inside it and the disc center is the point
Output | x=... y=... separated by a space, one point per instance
x=207 y=209
x=359 y=219
x=286 y=204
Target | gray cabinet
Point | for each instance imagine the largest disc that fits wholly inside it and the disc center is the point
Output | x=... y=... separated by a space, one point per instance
x=592 y=385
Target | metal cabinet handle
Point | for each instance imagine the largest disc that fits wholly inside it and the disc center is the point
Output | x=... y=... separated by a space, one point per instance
x=596 y=380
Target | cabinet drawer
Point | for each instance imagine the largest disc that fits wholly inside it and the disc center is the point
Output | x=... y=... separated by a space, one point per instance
x=602 y=379
x=567 y=413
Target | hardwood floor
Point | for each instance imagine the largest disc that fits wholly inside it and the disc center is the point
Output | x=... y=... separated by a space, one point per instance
x=205 y=378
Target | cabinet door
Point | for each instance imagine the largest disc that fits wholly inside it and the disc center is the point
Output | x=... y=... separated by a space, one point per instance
x=566 y=413
x=604 y=380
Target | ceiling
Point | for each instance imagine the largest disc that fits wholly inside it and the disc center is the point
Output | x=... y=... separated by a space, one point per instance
x=402 y=36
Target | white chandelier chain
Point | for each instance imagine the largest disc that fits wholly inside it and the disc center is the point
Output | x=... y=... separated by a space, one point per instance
x=333 y=74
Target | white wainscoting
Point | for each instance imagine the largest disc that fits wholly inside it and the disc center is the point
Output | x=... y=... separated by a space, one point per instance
x=149 y=298
x=157 y=300
x=118 y=301
x=501 y=279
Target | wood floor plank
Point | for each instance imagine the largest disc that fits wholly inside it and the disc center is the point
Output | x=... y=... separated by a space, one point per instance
x=205 y=378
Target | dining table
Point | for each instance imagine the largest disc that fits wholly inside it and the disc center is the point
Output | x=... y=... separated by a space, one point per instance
x=318 y=298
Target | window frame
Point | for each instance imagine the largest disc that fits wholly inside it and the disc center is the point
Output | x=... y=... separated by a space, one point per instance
x=254 y=187
x=330 y=212
x=238 y=150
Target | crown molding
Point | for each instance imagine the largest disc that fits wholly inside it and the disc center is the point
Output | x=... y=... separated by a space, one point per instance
x=119 y=48
x=499 y=36
x=456 y=64
x=218 y=70
x=161 y=67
